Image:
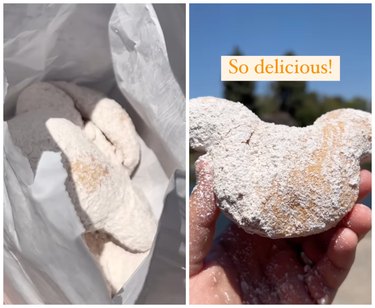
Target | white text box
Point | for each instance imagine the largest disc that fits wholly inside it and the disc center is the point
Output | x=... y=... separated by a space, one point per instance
x=273 y=68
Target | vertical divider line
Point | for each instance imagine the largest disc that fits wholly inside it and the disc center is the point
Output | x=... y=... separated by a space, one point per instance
x=187 y=188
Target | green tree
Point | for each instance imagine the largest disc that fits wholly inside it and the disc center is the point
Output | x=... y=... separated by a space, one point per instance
x=289 y=94
x=330 y=103
x=240 y=91
x=265 y=104
x=359 y=103
x=310 y=109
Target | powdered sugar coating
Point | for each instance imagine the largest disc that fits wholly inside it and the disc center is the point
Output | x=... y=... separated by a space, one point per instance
x=111 y=119
x=280 y=181
x=102 y=193
x=41 y=95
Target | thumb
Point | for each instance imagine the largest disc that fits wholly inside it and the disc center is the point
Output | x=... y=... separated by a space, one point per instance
x=203 y=215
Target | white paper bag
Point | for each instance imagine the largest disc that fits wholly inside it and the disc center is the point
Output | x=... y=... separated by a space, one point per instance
x=120 y=50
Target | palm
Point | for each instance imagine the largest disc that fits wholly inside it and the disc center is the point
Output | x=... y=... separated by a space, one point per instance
x=244 y=268
x=261 y=270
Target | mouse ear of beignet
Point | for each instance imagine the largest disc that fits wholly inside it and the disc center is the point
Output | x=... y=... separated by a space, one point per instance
x=42 y=95
x=110 y=118
x=215 y=119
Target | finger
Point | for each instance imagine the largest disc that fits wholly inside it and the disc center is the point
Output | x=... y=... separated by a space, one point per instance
x=203 y=215
x=315 y=246
x=364 y=185
x=358 y=220
x=329 y=273
x=313 y=251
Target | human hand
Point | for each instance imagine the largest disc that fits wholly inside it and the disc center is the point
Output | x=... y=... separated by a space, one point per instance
x=246 y=268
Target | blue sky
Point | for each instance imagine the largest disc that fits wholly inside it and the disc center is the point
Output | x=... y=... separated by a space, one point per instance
x=273 y=29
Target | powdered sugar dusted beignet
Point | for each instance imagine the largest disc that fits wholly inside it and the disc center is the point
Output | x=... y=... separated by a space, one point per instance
x=29 y=132
x=35 y=105
x=96 y=136
x=110 y=118
x=279 y=181
x=102 y=193
x=41 y=95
